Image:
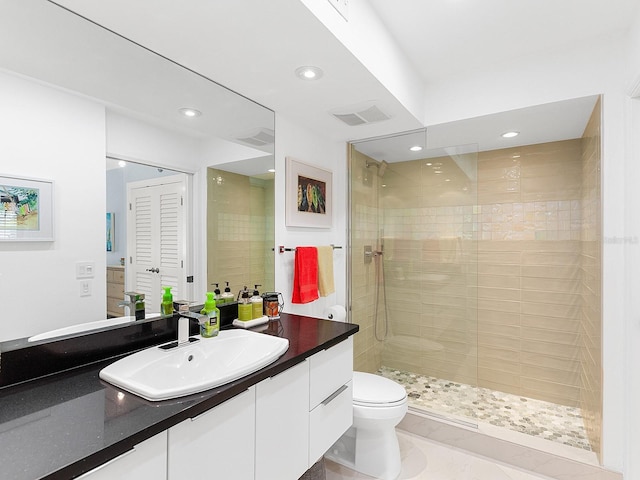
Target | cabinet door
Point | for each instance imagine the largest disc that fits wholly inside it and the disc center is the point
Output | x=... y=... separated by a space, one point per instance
x=331 y=397
x=156 y=239
x=147 y=460
x=282 y=425
x=219 y=444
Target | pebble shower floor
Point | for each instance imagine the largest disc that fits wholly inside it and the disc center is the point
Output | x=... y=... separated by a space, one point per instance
x=557 y=423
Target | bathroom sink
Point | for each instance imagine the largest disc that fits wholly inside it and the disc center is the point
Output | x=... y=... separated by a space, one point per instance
x=158 y=374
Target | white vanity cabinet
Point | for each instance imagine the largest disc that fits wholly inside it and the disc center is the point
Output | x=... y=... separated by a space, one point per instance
x=301 y=412
x=282 y=424
x=330 y=397
x=216 y=444
x=275 y=430
x=147 y=460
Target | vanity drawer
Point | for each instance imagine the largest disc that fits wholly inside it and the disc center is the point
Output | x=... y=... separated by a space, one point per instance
x=330 y=370
x=115 y=275
x=329 y=420
x=115 y=290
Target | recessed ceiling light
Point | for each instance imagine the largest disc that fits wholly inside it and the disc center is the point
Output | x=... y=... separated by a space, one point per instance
x=190 y=112
x=415 y=148
x=122 y=163
x=272 y=170
x=437 y=171
x=309 y=72
x=510 y=134
x=428 y=164
x=447 y=179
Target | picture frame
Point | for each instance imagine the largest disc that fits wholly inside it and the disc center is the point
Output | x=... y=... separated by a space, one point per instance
x=111 y=232
x=308 y=195
x=26 y=209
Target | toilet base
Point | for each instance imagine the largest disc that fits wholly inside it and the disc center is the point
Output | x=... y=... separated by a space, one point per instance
x=372 y=452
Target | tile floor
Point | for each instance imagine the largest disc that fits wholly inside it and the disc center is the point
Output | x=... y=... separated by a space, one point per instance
x=557 y=423
x=423 y=459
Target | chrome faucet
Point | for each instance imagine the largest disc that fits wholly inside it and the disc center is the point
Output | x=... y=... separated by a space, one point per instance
x=183 y=325
x=135 y=305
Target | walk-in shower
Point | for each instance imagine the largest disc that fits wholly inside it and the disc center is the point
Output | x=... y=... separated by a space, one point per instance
x=475 y=270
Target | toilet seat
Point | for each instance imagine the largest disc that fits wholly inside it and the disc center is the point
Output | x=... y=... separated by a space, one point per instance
x=371 y=390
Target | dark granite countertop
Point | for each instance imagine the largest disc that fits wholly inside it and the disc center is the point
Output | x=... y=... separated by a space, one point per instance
x=62 y=425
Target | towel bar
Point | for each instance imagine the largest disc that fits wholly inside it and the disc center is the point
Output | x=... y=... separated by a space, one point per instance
x=282 y=248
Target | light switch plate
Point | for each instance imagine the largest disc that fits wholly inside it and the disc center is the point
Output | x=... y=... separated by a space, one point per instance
x=85 y=269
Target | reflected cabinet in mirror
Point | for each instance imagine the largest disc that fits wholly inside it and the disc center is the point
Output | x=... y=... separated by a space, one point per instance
x=77 y=97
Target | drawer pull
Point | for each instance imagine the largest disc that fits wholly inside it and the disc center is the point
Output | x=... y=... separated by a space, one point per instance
x=330 y=398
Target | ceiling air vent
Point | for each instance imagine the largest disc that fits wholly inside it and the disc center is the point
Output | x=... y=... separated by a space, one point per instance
x=360 y=115
x=258 y=138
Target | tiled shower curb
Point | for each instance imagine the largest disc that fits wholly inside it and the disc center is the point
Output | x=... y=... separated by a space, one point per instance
x=497 y=449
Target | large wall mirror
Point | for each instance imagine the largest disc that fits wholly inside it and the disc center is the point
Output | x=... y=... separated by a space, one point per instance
x=78 y=102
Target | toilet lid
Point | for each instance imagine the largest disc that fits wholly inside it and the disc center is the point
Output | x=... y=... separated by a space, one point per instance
x=374 y=389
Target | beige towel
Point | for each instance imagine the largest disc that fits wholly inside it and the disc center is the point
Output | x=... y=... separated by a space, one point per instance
x=325 y=271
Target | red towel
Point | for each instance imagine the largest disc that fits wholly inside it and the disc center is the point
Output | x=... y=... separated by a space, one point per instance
x=305 y=275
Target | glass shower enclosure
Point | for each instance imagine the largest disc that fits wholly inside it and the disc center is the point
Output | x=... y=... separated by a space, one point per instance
x=413 y=269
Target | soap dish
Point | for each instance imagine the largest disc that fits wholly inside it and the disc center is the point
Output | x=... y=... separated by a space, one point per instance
x=250 y=323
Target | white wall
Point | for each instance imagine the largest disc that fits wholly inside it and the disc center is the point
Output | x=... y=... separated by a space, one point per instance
x=631 y=393
x=310 y=148
x=52 y=135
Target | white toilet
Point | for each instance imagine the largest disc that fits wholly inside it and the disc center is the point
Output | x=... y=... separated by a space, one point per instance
x=370 y=446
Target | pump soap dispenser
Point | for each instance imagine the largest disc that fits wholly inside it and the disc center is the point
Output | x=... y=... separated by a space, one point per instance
x=227 y=296
x=211 y=327
x=244 y=306
x=256 y=304
x=218 y=295
x=166 y=308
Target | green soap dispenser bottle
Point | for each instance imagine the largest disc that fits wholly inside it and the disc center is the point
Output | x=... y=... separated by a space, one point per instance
x=212 y=326
x=256 y=304
x=244 y=306
x=166 y=308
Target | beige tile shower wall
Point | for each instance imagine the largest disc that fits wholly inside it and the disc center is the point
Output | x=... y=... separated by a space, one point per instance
x=236 y=230
x=529 y=302
x=430 y=225
x=591 y=274
x=488 y=292
x=528 y=318
x=364 y=227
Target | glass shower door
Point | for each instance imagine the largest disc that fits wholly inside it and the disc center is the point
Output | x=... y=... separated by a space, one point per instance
x=413 y=269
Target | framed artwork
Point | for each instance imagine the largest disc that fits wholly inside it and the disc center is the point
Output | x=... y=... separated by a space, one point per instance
x=308 y=195
x=26 y=209
x=111 y=223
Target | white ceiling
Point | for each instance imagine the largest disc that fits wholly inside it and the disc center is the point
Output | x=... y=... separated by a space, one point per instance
x=254 y=46
x=444 y=38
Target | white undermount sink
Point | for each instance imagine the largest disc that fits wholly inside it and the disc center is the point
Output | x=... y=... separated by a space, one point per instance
x=158 y=374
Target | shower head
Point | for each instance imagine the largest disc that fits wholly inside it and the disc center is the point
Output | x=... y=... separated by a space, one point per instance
x=381 y=165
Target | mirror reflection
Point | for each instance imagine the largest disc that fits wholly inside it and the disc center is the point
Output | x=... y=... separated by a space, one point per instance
x=240 y=226
x=74 y=95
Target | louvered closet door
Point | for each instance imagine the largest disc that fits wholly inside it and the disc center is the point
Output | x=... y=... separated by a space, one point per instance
x=157 y=239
